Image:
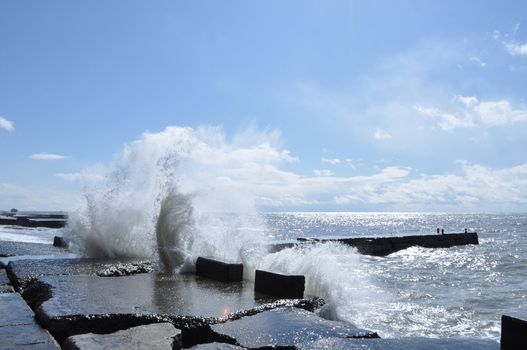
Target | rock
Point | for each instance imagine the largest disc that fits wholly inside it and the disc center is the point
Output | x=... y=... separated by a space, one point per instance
x=278 y=285
x=218 y=270
x=285 y=327
x=513 y=333
x=399 y=344
x=153 y=336
x=126 y=269
x=17 y=325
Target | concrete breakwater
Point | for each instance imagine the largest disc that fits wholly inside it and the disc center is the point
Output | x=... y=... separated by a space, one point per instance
x=382 y=246
x=29 y=219
x=127 y=303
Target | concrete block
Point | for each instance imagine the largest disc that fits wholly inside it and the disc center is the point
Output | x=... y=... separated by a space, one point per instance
x=60 y=242
x=278 y=285
x=513 y=333
x=153 y=336
x=218 y=270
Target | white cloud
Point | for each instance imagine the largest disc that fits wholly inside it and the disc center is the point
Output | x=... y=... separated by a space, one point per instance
x=333 y=161
x=380 y=134
x=467 y=100
x=471 y=112
x=510 y=44
x=322 y=172
x=516 y=49
x=493 y=113
x=6 y=124
x=351 y=163
x=225 y=177
x=478 y=61
x=47 y=156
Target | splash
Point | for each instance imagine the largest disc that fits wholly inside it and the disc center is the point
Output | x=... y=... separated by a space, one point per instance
x=177 y=194
x=174 y=231
x=183 y=193
x=336 y=273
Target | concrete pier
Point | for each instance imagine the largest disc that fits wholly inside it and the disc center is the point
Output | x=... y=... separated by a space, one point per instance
x=382 y=246
x=33 y=219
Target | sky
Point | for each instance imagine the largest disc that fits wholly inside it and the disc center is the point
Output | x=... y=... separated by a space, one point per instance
x=349 y=105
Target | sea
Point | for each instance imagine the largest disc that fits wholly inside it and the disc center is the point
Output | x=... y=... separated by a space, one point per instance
x=454 y=292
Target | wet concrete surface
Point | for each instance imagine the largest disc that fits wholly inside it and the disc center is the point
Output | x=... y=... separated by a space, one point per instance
x=18 y=328
x=26 y=270
x=286 y=327
x=185 y=295
x=153 y=336
x=8 y=249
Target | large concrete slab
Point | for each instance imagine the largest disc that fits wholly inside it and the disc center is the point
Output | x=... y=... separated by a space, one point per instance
x=27 y=270
x=285 y=327
x=154 y=293
x=399 y=344
x=18 y=327
x=153 y=336
x=70 y=297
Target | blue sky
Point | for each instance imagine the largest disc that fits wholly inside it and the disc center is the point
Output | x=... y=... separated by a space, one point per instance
x=379 y=105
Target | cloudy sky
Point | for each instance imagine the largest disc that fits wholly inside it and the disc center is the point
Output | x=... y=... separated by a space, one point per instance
x=349 y=105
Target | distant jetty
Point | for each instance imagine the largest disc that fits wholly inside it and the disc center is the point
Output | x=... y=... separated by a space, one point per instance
x=33 y=219
x=382 y=246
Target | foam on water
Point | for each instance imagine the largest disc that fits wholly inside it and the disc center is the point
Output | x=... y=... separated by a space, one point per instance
x=334 y=272
x=27 y=234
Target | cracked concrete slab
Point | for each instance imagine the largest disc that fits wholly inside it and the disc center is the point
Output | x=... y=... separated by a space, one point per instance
x=285 y=327
x=153 y=336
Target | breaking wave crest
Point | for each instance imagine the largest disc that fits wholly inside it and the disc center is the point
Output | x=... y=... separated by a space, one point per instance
x=178 y=193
